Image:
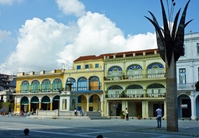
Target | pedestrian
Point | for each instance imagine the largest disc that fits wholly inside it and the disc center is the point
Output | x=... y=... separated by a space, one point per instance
x=127 y=114
x=21 y=113
x=99 y=136
x=159 y=117
x=75 y=112
x=2 y=111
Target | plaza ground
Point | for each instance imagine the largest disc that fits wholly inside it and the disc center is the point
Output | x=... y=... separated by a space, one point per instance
x=113 y=128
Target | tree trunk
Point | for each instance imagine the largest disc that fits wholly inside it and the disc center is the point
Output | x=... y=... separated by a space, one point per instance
x=171 y=96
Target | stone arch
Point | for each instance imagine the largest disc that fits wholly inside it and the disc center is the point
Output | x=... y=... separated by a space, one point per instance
x=184 y=106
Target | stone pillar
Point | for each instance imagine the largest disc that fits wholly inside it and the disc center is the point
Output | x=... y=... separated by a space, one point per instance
x=144 y=72
x=102 y=105
x=123 y=105
x=87 y=104
x=171 y=96
x=29 y=107
x=145 y=109
x=107 y=108
x=193 y=105
x=165 y=110
x=51 y=106
x=127 y=106
x=39 y=105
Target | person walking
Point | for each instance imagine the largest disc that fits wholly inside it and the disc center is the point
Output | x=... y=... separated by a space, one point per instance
x=127 y=114
x=75 y=112
x=159 y=116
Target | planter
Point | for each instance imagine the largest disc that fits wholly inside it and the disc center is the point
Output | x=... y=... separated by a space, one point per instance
x=138 y=117
x=122 y=117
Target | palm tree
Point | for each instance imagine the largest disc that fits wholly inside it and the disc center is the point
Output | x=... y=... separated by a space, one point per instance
x=170 y=40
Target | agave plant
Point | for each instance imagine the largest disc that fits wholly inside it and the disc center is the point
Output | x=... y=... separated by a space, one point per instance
x=170 y=39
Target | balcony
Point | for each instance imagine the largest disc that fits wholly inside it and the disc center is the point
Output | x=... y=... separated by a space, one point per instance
x=136 y=93
x=186 y=86
x=135 y=74
x=134 y=77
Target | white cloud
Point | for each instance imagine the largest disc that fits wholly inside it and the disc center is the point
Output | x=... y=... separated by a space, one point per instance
x=9 y=2
x=69 y=7
x=99 y=35
x=38 y=45
x=48 y=44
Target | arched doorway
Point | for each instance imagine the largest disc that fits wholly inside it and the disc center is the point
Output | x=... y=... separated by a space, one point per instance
x=34 y=104
x=45 y=103
x=184 y=106
x=56 y=102
x=24 y=104
x=82 y=103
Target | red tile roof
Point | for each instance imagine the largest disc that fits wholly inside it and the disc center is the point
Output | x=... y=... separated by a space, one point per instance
x=118 y=54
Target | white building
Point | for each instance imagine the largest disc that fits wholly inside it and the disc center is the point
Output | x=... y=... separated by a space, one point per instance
x=187 y=76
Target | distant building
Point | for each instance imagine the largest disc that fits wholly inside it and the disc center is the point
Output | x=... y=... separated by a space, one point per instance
x=7 y=87
x=187 y=76
x=111 y=82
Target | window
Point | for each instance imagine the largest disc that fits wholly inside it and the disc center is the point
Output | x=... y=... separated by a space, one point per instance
x=86 y=66
x=45 y=85
x=25 y=86
x=57 y=84
x=96 y=65
x=35 y=86
x=78 y=67
x=182 y=77
x=94 y=83
x=197 y=45
x=82 y=84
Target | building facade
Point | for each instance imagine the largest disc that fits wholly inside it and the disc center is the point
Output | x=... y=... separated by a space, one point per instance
x=111 y=82
x=187 y=76
x=87 y=82
x=38 y=90
x=134 y=80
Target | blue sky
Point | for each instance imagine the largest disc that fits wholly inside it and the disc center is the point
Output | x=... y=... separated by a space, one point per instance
x=50 y=34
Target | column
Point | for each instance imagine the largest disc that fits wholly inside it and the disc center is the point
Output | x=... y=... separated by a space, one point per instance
x=145 y=107
x=165 y=110
x=29 y=107
x=123 y=105
x=127 y=106
x=102 y=104
x=107 y=108
x=51 y=106
x=39 y=105
x=87 y=105
x=193 y=105
x=144 y=69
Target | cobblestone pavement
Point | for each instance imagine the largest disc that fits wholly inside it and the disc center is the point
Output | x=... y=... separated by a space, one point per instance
x=12 y=127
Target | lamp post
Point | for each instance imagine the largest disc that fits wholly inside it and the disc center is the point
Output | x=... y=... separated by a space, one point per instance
x=170 y=40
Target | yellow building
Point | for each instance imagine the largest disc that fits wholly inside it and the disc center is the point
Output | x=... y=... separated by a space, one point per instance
x=108 y=83
x=134 y=80
x=42 y=90
x=87 y=81
x=38 y=90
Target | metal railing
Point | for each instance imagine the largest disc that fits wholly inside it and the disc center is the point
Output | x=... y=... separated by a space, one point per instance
x=136 y=76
